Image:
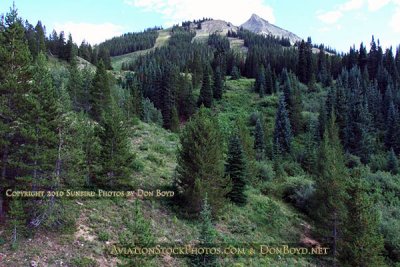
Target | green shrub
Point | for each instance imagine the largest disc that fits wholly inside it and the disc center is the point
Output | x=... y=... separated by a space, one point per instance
x=103 y=236
x=378 y=162
x=299 y=190
x=138 y=166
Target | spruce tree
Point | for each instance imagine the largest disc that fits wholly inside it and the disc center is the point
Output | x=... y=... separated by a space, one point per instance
x=15 y=84
x=331 y=188
x=269 y=81
x=174 y=120
x=40 y=38
x=218 y=83
x=311 y=149
x=283 y=132
x=137 y=233
x=186 y=102
x=100 y=92
x=207 y=237
x=363 y=244
x=200 y=167
x=235 y=73
x=17 y=217
x=75 y=86
x=206 y=93
x=116 y=158
x=236 y=169
x=260 y=85
x=302 y=63
x=167 y=97
x=393 y=129
x=259 y=141
x=392 y=162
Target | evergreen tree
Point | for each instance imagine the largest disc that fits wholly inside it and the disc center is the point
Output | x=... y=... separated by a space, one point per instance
x=116 y=158
x=100 y=92
x=17 y=218
x=186 y=102
x=15 y=77
x=259 y=142
x=393 y=129
x=331 y=188
x=218 y=83
x=207 y=237
x=137 y=233
x=283 y=132
x=75 y=86
x=169 y=83
x=174 y=120
x=311 y=149
x=302 y=63
x=363 y=244
x=40 y=38
x=206 y=93
x=292 y=96
x=392 y=162
x=137 y=98
x=269 y=81
x=235 y=169
x=260 y=84
x=235 y=74
x=200 y=167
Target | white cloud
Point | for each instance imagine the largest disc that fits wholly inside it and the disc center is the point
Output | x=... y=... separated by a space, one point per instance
x=175 y=11
x=352 y=5
x=92 y=33
x=395 y=20
x=330 y=17
x=375 y=5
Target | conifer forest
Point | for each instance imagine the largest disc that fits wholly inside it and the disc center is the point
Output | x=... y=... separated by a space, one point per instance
x=248 y=149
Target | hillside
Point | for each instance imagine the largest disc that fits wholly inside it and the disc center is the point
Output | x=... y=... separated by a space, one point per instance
x=162 y=39
x=206 y=145
x=98 y=225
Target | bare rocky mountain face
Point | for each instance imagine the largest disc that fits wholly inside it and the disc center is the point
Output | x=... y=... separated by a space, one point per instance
x=261 y=26
x=216 y=26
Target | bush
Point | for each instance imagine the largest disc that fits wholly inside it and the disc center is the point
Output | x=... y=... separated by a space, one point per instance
x=151 y=114
x=378 y=162
x=104 y=236
x=265 y=171
x=138 y=166
x=299 y=190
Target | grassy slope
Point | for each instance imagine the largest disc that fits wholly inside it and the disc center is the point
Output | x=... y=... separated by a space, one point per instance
x=116 y=62
x=264 y=219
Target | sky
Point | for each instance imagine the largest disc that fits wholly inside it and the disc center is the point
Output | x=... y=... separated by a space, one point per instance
x=339 y=24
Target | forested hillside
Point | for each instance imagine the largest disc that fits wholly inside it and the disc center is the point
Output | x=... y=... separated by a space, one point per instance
x=272 y=145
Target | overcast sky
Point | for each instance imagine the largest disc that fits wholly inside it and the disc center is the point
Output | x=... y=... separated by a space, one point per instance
x=339 y=24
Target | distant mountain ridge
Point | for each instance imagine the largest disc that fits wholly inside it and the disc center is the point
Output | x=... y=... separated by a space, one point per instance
x=259 y=25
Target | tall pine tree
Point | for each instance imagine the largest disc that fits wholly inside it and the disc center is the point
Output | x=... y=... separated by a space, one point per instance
x=283 y=131
x=200 y=167
x=331 y=189
x=236 y=170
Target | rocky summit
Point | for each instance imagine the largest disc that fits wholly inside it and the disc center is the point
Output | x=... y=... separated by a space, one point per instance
x=259 y=25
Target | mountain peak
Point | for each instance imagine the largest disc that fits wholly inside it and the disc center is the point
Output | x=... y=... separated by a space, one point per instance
x=259 y=25
x=256 y=17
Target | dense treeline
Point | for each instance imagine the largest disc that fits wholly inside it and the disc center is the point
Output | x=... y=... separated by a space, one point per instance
x=44 y=144
x=131 y=42
x=323 y=135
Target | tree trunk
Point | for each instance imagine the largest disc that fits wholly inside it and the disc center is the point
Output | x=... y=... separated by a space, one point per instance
x=3 y=179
